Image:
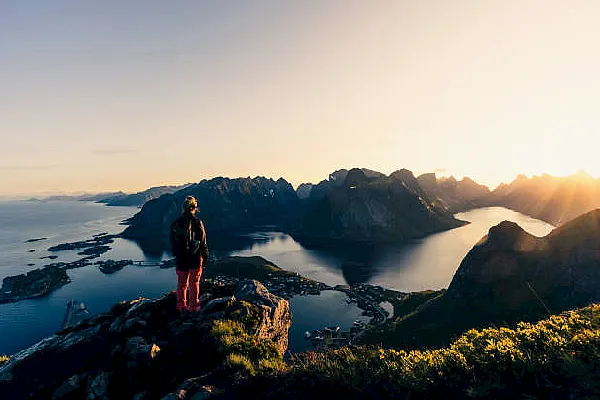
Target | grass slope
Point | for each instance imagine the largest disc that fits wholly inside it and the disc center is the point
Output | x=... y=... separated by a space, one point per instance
x=556 y=358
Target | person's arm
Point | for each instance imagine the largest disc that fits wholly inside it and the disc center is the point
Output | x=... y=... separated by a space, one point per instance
x=202 y=241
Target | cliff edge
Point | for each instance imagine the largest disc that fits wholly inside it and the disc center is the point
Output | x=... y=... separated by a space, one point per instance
x=144 y=349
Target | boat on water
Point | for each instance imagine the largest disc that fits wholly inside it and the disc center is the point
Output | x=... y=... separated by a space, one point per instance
x=321 y=334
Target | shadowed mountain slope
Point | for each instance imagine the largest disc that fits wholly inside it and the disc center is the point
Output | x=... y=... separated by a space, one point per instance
x=367 y=206
x=225 y=205
x=455 y=196
x=510 y=276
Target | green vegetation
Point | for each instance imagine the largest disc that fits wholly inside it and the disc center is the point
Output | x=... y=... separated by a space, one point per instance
x=4 y=359
x=246 y=268
x=245 y=352
x=411 y=302
x=242 y=350
x=555 y=358
x=403 y=308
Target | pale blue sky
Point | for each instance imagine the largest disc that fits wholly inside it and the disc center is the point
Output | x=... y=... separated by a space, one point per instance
x=124 y=95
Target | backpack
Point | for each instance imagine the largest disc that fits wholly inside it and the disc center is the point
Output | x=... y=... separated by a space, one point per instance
x=183 y=237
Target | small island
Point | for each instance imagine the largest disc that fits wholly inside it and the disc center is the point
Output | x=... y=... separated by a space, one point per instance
x=98 y=244
x=36 y=283
x=35 y=239
x=112 y=266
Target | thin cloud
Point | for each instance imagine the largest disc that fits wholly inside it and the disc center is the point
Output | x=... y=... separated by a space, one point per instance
x=112 y=152
x=27 y=167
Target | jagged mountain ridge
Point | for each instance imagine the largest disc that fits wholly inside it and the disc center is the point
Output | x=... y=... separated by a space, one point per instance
x=380 y=209
x=555 y=200
x=356 y=205
x=455 y=196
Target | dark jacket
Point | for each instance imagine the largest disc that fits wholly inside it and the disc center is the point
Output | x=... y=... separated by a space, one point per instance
x=188 y=258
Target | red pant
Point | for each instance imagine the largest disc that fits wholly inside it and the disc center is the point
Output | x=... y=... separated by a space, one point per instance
x=191 y=277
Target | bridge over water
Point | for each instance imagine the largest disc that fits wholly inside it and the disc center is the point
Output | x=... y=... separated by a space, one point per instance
x=146 y=263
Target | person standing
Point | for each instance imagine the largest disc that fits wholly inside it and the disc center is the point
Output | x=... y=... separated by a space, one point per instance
x=188 y=244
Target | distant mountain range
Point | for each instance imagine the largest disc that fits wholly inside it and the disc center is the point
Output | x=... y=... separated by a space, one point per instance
x=139 y=198
x=553 y=199
x=77 y=197
x=549 y=198
x=353 y=205
x=119 y=198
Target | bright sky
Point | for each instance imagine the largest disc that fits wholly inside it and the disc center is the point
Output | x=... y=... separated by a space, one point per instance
x=124 y=95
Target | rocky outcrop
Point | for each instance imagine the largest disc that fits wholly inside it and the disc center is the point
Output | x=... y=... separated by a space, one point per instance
x=144 y=349
x=273 y=312
x=370 y=207
x=455 y=196
x=555 y=200
x=98 y=244
x=511 y=276
x=225 y=205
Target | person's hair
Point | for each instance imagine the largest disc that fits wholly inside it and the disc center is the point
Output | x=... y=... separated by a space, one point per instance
x=190 y=203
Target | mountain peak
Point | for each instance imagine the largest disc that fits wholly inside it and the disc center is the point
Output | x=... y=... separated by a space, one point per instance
x=403 y=174
x=508 y=236
x=356 y=176
x=582 y=175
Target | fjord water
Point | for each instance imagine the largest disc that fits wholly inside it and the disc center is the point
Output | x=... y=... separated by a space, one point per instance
x=427 y=263
x=422 y=264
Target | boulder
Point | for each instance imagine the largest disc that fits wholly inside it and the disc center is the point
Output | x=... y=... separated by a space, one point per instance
x=274 y=312
x=253 y=291
x=219 y=304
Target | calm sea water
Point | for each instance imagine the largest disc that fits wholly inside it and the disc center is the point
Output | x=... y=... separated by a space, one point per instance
x=423 y=264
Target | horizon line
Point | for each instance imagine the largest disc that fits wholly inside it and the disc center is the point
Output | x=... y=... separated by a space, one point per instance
x=438 y=174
